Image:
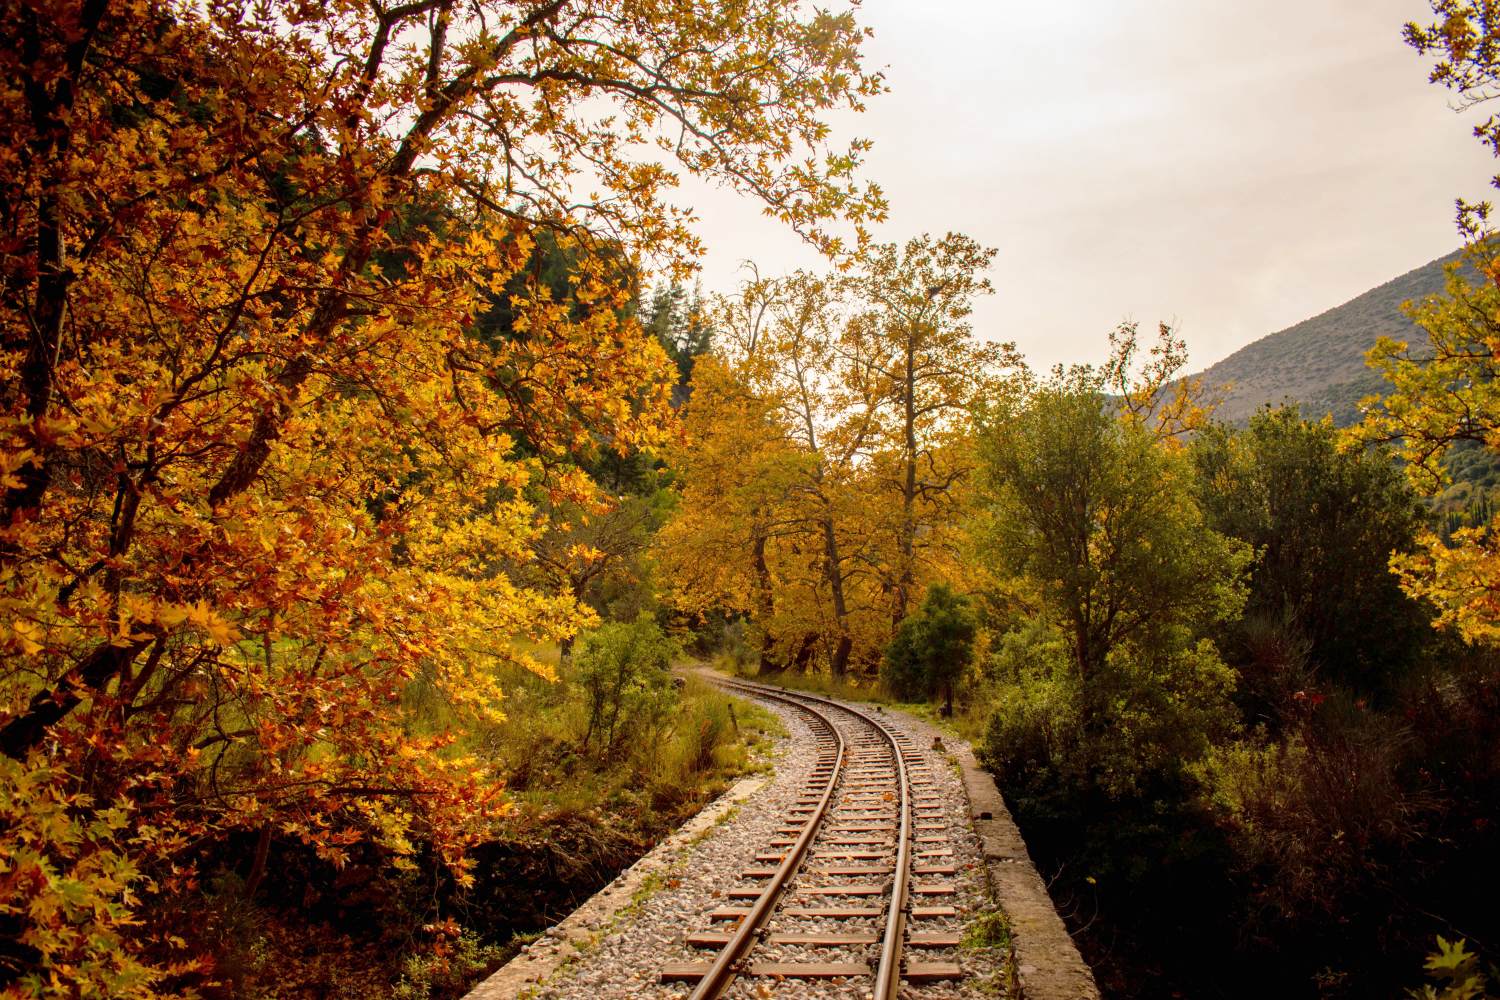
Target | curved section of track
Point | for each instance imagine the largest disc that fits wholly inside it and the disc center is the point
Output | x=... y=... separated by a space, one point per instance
x=875 y=801
x=722 y=972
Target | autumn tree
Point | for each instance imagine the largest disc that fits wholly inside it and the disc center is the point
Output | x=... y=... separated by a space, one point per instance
x=262 y=470
x=915 y=337
x=1150 y=390
x=824 y=399
x=1465 y=39
x=861 y=384
x=725 y=466
x=1443 y=393
x=809 y=411
x=734 y=467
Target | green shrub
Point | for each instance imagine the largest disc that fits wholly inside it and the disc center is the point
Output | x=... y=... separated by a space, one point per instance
x=990 y=929
x=931 y=648
x=624 y=671
x=449 y=969
x=1142 y=717
x=1312 y=814
x=1034 y=728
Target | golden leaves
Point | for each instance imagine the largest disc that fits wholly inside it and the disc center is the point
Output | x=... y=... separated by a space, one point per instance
x=315 y=388
x=829 y=431
x=1443 y=392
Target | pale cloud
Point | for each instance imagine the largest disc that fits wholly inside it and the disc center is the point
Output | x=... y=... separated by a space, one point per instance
x=1233 y=167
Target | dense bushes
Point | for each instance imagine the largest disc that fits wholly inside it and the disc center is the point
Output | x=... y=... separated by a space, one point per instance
x=1143 y=717
x=1324 y=523
x=930 y=649
x=1250 y=763
x=1110 y=574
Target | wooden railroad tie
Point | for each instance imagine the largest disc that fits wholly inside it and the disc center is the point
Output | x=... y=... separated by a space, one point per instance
x=718 y=939
x=916 y=972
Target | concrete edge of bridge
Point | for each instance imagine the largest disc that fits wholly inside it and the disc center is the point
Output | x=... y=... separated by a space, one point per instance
x=1049 y=966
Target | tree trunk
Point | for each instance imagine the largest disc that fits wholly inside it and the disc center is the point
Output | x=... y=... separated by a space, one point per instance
x=49 y=113
x=906 y=571
x=805 y=653
x=764 y=607
x=833 y=570
x=258 y=862
x=27 y=730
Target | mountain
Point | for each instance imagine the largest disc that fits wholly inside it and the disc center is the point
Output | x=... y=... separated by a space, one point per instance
x=1320 y=362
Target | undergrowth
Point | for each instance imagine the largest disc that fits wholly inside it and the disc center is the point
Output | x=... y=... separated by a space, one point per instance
x=582 y=811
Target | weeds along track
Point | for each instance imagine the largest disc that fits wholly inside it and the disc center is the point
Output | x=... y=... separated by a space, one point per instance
x=858 y=862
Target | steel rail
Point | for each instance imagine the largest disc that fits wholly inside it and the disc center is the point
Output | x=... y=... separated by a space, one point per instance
x=888 y=972
x=722 y=972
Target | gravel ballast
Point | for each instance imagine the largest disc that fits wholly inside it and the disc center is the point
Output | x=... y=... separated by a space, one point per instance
x=622 y=955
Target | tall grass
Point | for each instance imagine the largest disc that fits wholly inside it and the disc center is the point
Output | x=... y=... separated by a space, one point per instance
x=642 y=783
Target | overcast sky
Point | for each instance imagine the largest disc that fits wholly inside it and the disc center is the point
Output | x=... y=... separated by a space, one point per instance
x=1231 y=167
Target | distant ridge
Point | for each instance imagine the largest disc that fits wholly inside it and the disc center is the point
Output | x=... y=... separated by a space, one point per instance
x=1320 y=362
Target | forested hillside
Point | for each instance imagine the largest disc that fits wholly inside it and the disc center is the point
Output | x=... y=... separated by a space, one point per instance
x=1319 y=363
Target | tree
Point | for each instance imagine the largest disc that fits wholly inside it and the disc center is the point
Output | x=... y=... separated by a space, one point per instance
x=824 y=401
x=931 y=648
x=814 y=401
x=264 y=470
x=1101 y=521
x=732 y=471
x=1154 y=394
x=1466 y=41
x=677 y=320
x=1324 y=523
x=857 y=391
x=581 y=546
x=625 y=671
x=1089 y=527
x=915 y=338
x=1444 y=393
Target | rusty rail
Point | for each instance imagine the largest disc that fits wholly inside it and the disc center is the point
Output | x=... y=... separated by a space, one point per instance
x=721 y=974
x=888 y=972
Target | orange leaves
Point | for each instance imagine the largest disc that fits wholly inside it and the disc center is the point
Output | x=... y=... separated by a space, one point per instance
x=831 y=427
x=1151 y=392
x=286 y=389
x=141 y=618
x=28 y=635
x=68 y=883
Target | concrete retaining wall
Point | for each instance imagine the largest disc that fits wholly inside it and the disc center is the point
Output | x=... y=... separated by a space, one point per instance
x=1049 y=965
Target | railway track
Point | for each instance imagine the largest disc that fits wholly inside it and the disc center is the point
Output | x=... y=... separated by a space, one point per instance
x=863 y=849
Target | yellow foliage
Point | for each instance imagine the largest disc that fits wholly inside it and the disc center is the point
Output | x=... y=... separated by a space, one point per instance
x=282 y=395
x=829 y=450
x=1441 y=393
